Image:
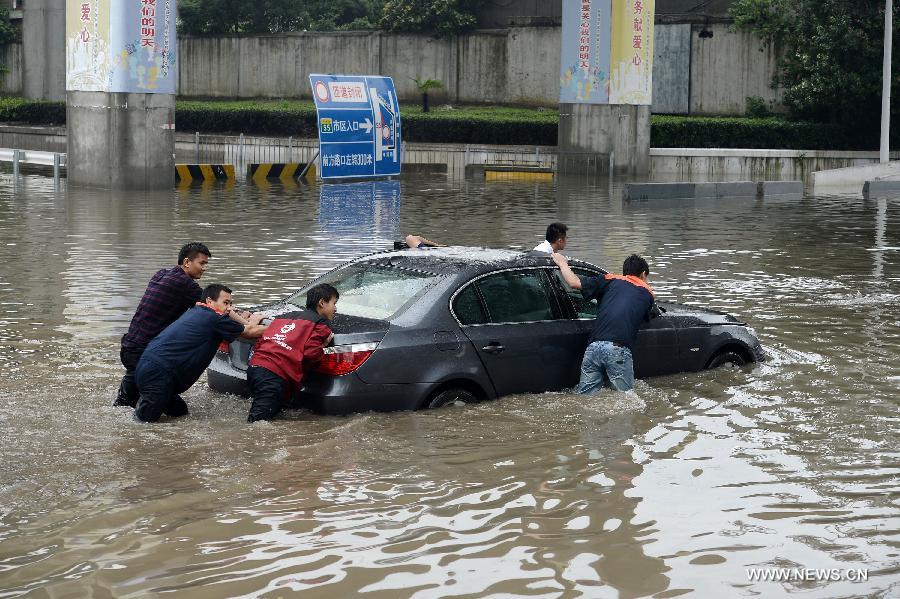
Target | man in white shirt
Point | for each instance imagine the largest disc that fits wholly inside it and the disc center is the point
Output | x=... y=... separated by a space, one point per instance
x=556 y=239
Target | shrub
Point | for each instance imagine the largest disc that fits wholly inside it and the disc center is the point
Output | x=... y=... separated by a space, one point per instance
x=20 y=110
x=482 y=125
x=757 y=108
x=766 y=133
x=461 y=126
x=264 y=118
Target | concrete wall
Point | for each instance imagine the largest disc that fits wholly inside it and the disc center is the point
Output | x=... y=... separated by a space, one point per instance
x=671 y=60
x=533 y=65
x=729 y=67
x=43 y=39
x=11 y=58
x=519 y=65
x=498 y=13
x=710 y=164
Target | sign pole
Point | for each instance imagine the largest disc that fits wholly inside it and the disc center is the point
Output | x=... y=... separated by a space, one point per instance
x=886 y=83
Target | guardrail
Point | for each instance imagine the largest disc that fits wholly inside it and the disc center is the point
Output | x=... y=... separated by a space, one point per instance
x=17 y=157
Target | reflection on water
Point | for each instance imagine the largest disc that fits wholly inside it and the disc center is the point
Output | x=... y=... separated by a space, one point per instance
x=684 y=487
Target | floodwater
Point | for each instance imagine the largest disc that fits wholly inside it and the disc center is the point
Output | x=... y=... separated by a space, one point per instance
x=696 y=485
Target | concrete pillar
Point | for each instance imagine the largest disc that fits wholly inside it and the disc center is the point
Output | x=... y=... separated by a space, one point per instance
x=619 y=129
x=43 y=49
x=120 y=140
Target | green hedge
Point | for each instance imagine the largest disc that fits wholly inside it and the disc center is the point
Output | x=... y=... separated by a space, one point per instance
x=20 y=110
x=765 y=133
x=481 y=125
x=510 y=126
x=256 y=118
x=466 y=125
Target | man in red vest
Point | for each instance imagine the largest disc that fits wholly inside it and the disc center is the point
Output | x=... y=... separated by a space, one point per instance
x=291 y=343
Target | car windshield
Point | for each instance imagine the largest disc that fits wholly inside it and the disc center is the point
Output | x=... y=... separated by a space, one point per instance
x=372 y=291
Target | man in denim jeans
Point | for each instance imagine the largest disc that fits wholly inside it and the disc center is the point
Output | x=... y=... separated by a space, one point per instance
x=624 y=303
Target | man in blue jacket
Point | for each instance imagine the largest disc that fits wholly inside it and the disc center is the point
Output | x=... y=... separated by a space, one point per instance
x=177 y=357
x=624 y=303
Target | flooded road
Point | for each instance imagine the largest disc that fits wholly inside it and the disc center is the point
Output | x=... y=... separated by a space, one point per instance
x=701 y=484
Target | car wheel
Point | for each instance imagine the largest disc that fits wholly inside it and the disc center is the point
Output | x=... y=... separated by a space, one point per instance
x=450 y=397
x=729 y=359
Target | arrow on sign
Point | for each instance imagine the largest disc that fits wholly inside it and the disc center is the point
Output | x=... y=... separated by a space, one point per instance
x=367 y=125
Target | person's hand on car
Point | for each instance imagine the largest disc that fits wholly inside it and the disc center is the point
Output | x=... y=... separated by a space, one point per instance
x=559 y=259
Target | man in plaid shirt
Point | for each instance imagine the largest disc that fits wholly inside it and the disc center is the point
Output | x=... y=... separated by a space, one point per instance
x=169 y=294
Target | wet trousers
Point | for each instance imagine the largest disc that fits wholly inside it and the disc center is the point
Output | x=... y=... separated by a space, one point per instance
x=128 y=390
x=158 y=393
x=268 y=392
x=606 y=363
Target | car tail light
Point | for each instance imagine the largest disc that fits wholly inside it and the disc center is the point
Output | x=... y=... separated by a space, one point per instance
x=225 y=347
x=344 y=359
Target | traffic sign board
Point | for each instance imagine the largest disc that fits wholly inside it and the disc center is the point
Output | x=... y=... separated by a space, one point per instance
x=359 y=125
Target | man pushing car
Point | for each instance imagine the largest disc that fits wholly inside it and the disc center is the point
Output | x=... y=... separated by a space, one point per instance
x=176 y=358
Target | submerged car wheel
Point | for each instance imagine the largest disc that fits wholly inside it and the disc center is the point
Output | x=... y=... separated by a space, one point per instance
x=728 y=359
x=450 y=397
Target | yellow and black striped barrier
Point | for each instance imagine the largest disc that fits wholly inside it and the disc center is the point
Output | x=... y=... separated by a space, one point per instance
x=517 y=175
x=283 y=171
x=204 y=172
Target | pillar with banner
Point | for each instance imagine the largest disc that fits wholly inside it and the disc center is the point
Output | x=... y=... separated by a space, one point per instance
x=606 y=81
x=120 y=93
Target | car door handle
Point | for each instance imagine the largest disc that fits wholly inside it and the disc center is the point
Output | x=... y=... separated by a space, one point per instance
x=493 y=348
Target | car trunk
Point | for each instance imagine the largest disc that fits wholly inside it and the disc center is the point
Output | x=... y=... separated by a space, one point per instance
x=347 y=330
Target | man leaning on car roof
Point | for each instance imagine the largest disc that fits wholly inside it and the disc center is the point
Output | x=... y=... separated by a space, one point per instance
x=554 y=240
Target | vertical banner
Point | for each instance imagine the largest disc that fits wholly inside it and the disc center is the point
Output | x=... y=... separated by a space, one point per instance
x=87 y=45
x=631 y=64
x=584 y=72
x=121 y=46
x=143 y=47
x=607 y=52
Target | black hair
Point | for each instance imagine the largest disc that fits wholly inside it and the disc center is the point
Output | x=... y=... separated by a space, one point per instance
x=635 y=265
x=556 y=231
x=322 y=291
x=190 y=251
x=213 y=291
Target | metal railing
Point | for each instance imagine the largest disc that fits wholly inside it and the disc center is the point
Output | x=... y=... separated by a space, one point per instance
x=56 y=160
x=242 y=150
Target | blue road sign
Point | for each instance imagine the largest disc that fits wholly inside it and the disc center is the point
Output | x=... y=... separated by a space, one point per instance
x=359 y=125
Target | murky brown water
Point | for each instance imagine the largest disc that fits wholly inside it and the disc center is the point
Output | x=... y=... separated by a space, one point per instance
x=684 y=489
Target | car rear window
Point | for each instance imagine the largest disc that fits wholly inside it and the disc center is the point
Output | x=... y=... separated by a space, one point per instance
x=372 y=291
x=467 y=307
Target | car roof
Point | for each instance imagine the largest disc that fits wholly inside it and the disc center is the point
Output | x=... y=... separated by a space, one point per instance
x=453 y=259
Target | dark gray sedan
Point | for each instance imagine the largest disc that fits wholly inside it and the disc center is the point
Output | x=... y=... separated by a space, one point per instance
x=426 y=327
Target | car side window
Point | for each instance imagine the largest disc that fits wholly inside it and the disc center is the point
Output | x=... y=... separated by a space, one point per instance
x=582 y=307
x=517 y=296
x=467 y=307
